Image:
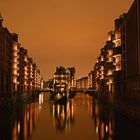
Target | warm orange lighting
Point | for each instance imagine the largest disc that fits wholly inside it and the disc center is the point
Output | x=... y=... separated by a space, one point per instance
x=110 y=52
x=102 y=67
x=18 y=127
x=14 y=72
x=15 y=47
x=117 y=42
x=110 y=72
x=110 y=81
x=97 y=129
x=106 y=128
x=102 y=58
x=15 y=54
x=102 y=130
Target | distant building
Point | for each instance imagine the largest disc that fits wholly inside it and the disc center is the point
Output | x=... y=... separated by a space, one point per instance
x=82 y=83
x=90 y=80
x=64 y=79
x=37 y=80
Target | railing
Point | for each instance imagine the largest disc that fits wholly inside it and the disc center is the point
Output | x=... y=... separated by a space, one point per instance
x=42 y=90
x=83 y=90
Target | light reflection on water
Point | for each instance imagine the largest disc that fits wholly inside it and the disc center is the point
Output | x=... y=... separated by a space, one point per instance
x=80 y=118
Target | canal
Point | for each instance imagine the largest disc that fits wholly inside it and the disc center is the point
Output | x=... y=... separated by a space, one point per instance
x=81 y=118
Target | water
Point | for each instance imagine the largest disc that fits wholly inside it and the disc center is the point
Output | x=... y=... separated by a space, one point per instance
x=82 y=118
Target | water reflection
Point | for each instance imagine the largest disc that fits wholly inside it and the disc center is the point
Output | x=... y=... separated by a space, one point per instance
x=63 y=115
x=113 y=125
x=102 y=115
x=79 y=118
x=19 y=124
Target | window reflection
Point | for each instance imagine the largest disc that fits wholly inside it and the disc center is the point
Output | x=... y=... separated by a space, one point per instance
x=103 y=121
x=19 y=124
x=63 y=115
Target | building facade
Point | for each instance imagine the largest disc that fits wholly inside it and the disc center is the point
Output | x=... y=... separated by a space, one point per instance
x=6 y=44
x=64 y=79
x=18 y=74
x=82 y=83
x=90 y=80
x=109 y=70
x=133 y=52
x=116 y=73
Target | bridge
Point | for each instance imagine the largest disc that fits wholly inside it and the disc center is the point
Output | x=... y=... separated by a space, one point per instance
x=73 y=90
x=42 y=90
x=84 y=90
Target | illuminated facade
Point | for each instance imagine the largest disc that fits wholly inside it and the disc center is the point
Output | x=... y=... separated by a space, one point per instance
x=117 y=70
x=108 y=77
x=64 y=79
x=17 y=74
x=82 y=83
x=31 y=78
x=90 y=80
x=22 y=66
x=30 y=74
x=37 y=80
x=15 y=61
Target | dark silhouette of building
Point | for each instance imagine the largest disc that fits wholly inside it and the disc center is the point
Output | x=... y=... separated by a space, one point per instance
x=6 y=44
x=133 y=51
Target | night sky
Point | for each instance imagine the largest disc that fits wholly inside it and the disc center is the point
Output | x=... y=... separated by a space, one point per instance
x=62 y=32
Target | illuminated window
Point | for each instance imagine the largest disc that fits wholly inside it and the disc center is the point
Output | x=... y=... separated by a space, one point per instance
x=110 y=72
x=110 y=80
x=15 y=47
x=15 y=53
x=110 y=59
x=110 y=52
x=102 y=67
x=118 y=58
x=118 y=67
x=102 y=77
x=117 y=42
x=15 y=72
x=102 y=58
x=25 y=58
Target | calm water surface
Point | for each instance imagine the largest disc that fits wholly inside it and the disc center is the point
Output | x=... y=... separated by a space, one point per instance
x=81 y=118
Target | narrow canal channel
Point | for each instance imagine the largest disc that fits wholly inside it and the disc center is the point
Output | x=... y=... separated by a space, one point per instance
x=81 y=118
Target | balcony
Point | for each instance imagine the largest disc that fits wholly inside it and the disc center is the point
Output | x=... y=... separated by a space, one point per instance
x=117 y=50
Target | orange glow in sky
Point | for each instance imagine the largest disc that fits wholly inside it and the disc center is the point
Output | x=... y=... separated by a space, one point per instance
x=62 y=32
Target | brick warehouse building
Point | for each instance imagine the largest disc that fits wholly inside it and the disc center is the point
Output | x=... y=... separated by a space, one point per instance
x=18 y=77
x=117 y=70
x=133 y=52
